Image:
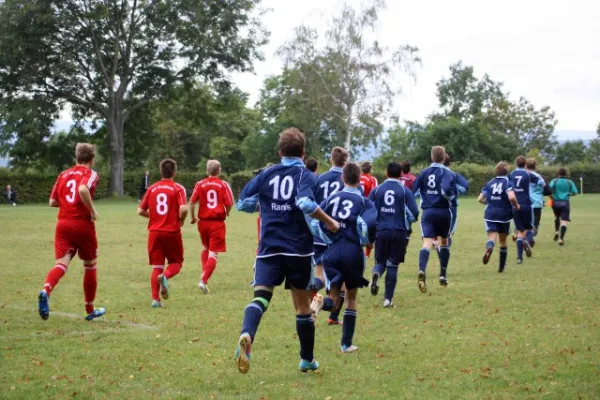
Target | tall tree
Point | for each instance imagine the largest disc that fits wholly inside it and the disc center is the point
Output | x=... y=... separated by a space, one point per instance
x=593 y=151
x=570 y=152
x=350 y=75
x=107 y=58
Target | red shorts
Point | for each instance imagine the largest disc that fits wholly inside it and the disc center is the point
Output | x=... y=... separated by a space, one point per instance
x=163 y=245
x=212 y=234
x=75 y=236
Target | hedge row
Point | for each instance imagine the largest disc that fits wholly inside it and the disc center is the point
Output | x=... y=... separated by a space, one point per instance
x=35 y=188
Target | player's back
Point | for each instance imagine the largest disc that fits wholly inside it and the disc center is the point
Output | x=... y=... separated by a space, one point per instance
x=214 y=196
x=394 y=202
x=328 y=184
x=408 y=180
x=499 y=207
x=66 y=191
x=163 y=201
x=368 y=182
x=521 y=180
x=536 y=190
x=436 y=185
x=346 y=206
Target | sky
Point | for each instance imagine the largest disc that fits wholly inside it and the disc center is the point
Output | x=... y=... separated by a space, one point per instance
x=546 y=51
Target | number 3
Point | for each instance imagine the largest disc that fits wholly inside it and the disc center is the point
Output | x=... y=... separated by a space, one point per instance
x=71 y=186
x=161 y=204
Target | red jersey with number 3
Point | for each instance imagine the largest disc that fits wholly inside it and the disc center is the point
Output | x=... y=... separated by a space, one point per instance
x=214 y=195
x=66 y=191
x=163 y=200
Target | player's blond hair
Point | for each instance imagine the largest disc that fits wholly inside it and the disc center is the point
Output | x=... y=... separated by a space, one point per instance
x=85 y=153
x=213 y=167
x=438 y=154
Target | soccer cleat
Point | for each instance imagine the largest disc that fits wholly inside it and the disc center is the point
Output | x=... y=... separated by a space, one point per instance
x=306 y=366
x=203 y=287
x=332 y=322
x=532 y=244
x=487 y=255
x=514 y=237
x=421 y=282
x=501 y=269
x=95 y=314
x=561 y=242
x=349 y=349
x=556 y=236
x=44 y=305
x=527 y=248
x=443 y=281
x=156 y=304
x=316 y=305
x=519 y=261
x=388 y=304
x=374 y=284
x=242 y=355
x=164 y=286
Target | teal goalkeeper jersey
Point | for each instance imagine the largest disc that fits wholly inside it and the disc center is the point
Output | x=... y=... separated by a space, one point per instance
x=562 y=189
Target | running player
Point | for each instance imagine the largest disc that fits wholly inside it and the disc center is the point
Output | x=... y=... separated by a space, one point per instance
x=408 y=180
x=216 y=200
x=396 y=209
x=562 y=190
x=436 y=185
x=500 y=198
x=75 y=230
x=312 y=165
x=367 y=181
x=164 y=204
x=285 y=193
x=536 y=192
x=344 y=260
x=462 y=187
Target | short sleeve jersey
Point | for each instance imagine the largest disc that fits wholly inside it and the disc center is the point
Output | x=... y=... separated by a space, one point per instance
x=214 y=196
x=368 y=182
x=66 y=191
x=499 y=208
x=163 y=201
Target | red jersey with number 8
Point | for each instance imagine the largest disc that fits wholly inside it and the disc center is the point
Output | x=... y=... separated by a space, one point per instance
x=163 y=200
x=66 y=192
x=214 y=195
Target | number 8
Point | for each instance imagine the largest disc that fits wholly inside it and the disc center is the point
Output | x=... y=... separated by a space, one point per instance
x=431 y=181
x=161 y=204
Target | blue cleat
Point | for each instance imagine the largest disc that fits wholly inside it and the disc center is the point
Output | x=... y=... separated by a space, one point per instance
x=164 y=286
x=44 y=305
x=156 y=304
x=95 y=314
x=242 y=355
x=306 y=366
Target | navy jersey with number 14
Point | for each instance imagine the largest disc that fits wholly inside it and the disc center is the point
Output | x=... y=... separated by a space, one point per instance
x=498 y=209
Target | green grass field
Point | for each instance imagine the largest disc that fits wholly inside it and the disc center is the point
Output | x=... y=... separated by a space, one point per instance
x=531 y=332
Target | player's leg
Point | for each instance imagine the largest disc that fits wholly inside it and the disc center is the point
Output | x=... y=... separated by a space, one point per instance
x=349 y=325
x=205 y=244
x=565 y=218
x=172 y=247
x=340 y=300
x=502 y=237
x=88 y=250
x=217 y=245
x=537 y=217
x=521 y=226
x=557 y=211
x=381 y=256
x=491 y=242
x=444 y=260
x=395 y=258
x=59 y=270
x=319 y=280
x=428 y=231
x=156 y=260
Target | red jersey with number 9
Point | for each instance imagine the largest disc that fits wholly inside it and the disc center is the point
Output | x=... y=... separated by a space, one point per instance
x=214 y=195
x=163 y=200
x=66 y=192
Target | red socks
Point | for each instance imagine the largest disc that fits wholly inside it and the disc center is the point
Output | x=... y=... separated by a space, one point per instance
x=156 y=271
x=90 y=284
x=172 y=270
x=204 y=258
x=54 y=276
x=208 y=269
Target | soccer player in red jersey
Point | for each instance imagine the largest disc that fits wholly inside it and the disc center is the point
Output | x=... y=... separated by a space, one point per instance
x=165 y=205
x=407 y=178
x=367 y=181
x=216 y=200
x=75 y=231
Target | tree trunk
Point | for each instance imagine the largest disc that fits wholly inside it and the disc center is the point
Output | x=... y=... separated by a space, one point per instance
x=348 y=141
x=117 y=160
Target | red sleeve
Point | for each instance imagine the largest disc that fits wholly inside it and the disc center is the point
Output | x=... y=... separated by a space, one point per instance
x=144 y=203
x=228 y=195
x=92 y=180
x=181 y=198
x=54 y=193
x=195 y=193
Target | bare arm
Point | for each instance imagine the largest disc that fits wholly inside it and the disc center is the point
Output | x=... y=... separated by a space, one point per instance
x=193 y=218
x=86 y=198
x=228 y=209
x=183 y=212
x=143 y=213
x=482 y=198
x=513 y=200
x=53 y=203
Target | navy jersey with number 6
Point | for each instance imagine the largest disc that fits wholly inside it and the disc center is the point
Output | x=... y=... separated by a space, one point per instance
x=498 y=209
x=436 y=185
x=285 y=193
x=395 y=205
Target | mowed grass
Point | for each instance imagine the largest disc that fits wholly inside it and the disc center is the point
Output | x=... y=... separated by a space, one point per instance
x=531 y=332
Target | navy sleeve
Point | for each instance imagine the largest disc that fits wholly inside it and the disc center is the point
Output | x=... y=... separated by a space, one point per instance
x=369 y=216
x=461 y=181
x=372 y=194
x=305 y=198
x=448 y=185
x=417 y=185
x=411 y=204
x=249 y=196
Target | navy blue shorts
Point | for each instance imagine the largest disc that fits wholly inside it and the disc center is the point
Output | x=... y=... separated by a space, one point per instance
x=523 y=219
x=454 y=211
x=562 y=210
x=500 y=227
x=390 y=247
x=344 y=262
x=436 y=222
x=319 y=252
x=272 y=271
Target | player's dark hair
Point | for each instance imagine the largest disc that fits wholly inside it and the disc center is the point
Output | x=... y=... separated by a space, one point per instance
x=351 y=174
x=394 y=170
x=168 y=168
x=521 y=161
x=531 y=164
x=292 y=142
x=405 y=167
x=562 y=172
x=312 y=164
x=447 y=160
x=339 y=156
x=85 y=153
x=502 y=168
x=366 y=167
x=437 y=154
